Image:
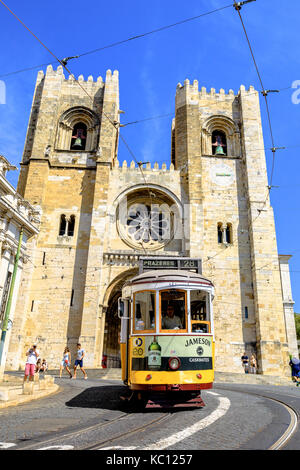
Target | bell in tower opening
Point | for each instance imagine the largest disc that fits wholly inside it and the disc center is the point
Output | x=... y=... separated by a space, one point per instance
x=79 y=137
x=219 y=146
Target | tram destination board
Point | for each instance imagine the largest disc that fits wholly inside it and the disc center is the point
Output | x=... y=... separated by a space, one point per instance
x=187 y=264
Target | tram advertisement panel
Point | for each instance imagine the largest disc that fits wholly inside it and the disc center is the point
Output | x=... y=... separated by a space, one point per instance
x=154 y=352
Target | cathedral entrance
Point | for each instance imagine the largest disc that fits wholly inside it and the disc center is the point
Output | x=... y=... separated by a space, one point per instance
x=111 y=347
x=111 y=357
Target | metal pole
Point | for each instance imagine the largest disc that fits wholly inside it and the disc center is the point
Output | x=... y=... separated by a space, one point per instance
x=10 y=296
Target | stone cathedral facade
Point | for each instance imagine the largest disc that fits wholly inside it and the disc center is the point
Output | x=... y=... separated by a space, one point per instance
x=99 y=217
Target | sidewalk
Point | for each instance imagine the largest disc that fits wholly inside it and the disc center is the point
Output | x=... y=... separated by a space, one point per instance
x=228 y=377
x=13 y=392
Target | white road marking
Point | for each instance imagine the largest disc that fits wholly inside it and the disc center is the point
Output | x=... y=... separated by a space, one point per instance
x=6 y=445
x=57 y=448
x=118 y=448
x=224 y=405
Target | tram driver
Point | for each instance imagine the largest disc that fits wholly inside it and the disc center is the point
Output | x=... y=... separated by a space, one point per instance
x=170 y=321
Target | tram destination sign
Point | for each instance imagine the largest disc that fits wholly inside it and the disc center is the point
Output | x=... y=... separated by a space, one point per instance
x=158 y=262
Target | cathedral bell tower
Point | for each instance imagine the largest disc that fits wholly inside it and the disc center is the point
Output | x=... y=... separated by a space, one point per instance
x=219 y=150
x=71 y=145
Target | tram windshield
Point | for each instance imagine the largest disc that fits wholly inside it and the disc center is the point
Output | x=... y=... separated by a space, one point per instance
x=199 y=314
x=173 y=310
x=144 y=311
x=172 y=313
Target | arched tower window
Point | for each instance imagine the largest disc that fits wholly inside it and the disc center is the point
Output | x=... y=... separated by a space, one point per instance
x=66 y=225
x=78 y=129
x=79 y=135
x=228 y=233
x=220 y=232
x=62 y=225
x=71 y=226
x=225 y=233
x=220 y=136
x=219 y=143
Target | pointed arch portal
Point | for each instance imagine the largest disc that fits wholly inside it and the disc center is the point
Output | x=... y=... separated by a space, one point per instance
x=111 y=348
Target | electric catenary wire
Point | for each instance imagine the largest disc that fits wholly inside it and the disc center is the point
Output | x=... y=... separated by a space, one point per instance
x=114 y=44
x=238 y=7
x=116 y=125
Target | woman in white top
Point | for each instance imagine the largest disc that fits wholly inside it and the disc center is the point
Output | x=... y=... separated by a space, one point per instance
x=32 y=356
x=65 y=363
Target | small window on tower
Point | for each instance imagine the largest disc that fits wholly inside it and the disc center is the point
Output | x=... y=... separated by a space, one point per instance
x=79 y=134
x=228 y=233
x=62 y=225
x=71 y=225
x=219 y=143
x=220 y=233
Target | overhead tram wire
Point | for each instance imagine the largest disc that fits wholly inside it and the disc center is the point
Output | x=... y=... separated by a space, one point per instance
x=63 y=62
x=216 y=103
x=264 y=92
x=117 y=43
x=238 y=7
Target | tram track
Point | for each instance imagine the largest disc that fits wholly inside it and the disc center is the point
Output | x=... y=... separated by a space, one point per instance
x=129 y=433
x=294 y=417
x=132 y=428
x=67 y=437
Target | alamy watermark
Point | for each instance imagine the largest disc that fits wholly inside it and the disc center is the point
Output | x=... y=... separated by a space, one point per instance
x=296 y=94
x=2 y=92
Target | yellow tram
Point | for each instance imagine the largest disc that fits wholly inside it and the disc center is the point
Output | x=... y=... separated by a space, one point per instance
x=167 y=338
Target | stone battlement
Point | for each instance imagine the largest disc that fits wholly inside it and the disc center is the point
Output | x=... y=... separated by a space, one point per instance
x=110 y=76
x=148 y=166
x=203 y=93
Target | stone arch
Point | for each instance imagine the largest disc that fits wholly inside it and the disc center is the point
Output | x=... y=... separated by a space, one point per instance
x=227 y=126
x=72 y=117
x=111 y=347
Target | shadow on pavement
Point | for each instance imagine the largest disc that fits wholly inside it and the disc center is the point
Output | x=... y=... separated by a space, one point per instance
x=105 y=397
x=109 y=398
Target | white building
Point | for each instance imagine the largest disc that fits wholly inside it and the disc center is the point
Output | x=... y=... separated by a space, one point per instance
x=15 y=213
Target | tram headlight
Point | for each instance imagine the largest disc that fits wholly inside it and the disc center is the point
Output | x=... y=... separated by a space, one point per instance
x=174 y=363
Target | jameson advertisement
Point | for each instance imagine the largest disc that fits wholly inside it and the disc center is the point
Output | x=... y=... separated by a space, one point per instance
x=154 y=352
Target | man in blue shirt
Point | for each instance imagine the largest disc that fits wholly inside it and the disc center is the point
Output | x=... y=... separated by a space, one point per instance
x=79 y=361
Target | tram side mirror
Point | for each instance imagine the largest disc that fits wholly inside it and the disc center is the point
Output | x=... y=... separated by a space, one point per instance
x=121 y=307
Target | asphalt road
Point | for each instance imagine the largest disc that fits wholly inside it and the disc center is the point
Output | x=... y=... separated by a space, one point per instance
x=88 y=414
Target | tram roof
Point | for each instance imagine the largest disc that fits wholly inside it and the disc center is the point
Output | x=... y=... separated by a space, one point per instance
x=169 y=275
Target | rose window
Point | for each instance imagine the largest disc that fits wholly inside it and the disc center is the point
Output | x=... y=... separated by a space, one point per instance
x=148 y=225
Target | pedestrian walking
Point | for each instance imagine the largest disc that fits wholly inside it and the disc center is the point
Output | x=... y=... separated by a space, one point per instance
x=245 y=362
x=66 y=362
x=295 y=365
x=253 y=364
x=30 y=366
x=79 y=361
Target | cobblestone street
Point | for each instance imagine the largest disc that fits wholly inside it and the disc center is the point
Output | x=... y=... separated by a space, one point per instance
x=90 y=411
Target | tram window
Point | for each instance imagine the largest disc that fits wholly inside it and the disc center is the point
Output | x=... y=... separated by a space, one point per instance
x=200 y=327
x=173 y=310
x=144 y=311
x=198 y=306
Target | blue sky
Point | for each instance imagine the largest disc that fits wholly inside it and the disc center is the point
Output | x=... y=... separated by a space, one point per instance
x=212 y=50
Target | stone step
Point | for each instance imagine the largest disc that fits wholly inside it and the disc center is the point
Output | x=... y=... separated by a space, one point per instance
x=12 y=387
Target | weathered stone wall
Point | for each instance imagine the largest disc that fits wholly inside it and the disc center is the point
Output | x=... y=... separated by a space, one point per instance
x=65 y=295
x=233 y=189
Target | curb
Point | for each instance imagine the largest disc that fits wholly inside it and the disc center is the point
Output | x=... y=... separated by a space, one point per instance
x=26 y=398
